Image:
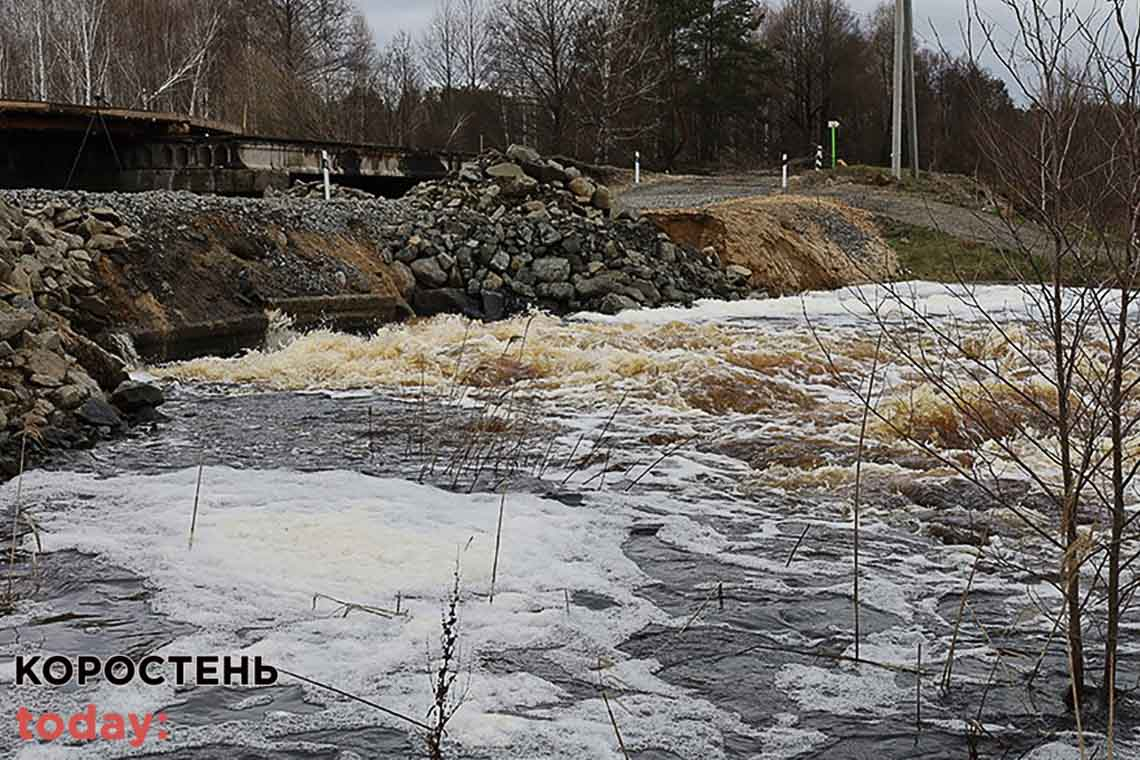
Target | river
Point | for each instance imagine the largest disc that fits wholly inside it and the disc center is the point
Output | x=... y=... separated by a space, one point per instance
x=675 y=560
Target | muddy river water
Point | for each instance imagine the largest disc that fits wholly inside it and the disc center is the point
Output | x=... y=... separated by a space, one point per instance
x=675 y=557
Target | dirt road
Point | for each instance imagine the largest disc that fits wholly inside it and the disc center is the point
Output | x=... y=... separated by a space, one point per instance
x=957 y=221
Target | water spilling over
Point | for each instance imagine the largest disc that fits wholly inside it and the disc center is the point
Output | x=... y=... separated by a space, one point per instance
x=674 y=489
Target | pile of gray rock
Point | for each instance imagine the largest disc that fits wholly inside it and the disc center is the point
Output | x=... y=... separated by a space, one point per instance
x=57 y=386
x=516 y=229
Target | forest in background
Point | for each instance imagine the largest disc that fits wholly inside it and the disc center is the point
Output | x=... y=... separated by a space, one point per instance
x=688 y=83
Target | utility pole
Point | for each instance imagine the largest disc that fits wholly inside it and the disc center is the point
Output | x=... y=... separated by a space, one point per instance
x=897 y=92
x=903 y=72
x=913 y=116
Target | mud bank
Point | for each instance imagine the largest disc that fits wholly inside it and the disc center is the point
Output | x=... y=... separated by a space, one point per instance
x=788 y=244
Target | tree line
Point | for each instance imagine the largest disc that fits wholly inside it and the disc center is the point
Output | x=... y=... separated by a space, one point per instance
x=688 y=83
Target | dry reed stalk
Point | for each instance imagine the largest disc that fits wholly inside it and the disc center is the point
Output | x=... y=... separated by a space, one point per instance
x=573 y=451
x=859 y=480
x=498 y=541
x=605 y=469
x=17 y=508
x=1076 y=705
x=444 y=703
x=918 y=695
x=613 y=722
x=546 y=456
x=681 y=631
x=458 y=363
x=423 y=404
x=348 y=695
x=347 y=607
x=598 y=443
x=370 y=437
x=949 y=667
x=194 y=515
x=796 y=548
x=526 y=334
x=810 y=653
x=668 y=453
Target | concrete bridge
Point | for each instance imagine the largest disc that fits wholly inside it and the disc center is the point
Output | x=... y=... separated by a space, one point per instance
x=51 y=145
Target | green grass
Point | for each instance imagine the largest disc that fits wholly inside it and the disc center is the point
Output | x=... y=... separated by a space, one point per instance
x=928 y=254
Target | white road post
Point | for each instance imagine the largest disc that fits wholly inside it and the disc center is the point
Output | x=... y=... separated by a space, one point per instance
x=637 y=167
x=784 y=172
x=325 y=171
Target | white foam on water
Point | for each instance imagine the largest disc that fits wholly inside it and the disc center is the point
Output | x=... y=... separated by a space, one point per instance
x=267 y=541
x=840 y=306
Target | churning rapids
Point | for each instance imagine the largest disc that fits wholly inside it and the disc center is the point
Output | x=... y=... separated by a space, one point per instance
x=675 y=490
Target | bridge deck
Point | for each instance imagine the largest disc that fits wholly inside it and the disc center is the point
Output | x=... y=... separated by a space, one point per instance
x=40 y=142
x=67 y=117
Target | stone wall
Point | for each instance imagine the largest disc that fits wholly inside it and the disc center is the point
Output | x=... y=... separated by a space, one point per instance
x=55 y=382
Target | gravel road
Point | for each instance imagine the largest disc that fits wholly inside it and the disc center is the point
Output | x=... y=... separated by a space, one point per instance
x=957 y=221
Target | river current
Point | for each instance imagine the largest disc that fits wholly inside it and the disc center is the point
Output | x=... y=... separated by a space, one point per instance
x=652 y=517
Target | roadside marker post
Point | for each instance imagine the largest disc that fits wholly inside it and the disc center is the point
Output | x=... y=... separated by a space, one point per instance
x=325 y=172
x=819 y=158
x=833 y=125
x=784 y=172
x=637 y=167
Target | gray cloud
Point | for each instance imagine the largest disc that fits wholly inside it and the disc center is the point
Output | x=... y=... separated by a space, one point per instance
x=937 y=23
x=389 y=16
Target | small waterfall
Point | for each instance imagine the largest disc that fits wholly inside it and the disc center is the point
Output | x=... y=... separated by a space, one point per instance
x=125 y=348
x=279 y=332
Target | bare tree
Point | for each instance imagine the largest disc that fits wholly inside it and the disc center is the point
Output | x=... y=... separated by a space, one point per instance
x=536 y=52
x=401 y=88
x=80 y=34
x=621 y=72
x=1046 y=402
x=441 y=47
x=474 y=43
x=807 y=36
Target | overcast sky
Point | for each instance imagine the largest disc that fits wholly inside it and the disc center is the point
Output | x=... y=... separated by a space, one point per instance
x=389 y=16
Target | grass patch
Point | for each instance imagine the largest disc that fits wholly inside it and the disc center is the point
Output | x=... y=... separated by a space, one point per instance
x=929 y=254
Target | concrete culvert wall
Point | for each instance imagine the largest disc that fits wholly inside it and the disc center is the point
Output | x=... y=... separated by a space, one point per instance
x=789 y=244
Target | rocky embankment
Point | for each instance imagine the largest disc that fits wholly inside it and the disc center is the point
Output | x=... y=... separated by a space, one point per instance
x=516 y=229
x=509 y=232
x=183 y=274
x=58 y=387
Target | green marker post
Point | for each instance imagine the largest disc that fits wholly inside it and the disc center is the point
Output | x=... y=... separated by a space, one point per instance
x=834 y=126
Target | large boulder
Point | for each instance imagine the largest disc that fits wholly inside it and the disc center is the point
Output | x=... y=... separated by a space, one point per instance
x=133 y=396
x=15 y=321
x=429 y=272
x=512 y=179
x=551 y=269
x=600 y=285
x=583 y=188
x=521 y=153
x=98 y=413
x=106 y=369
x=403 y=277
x=429 y=302
x=45 y=368
x=615 y=302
